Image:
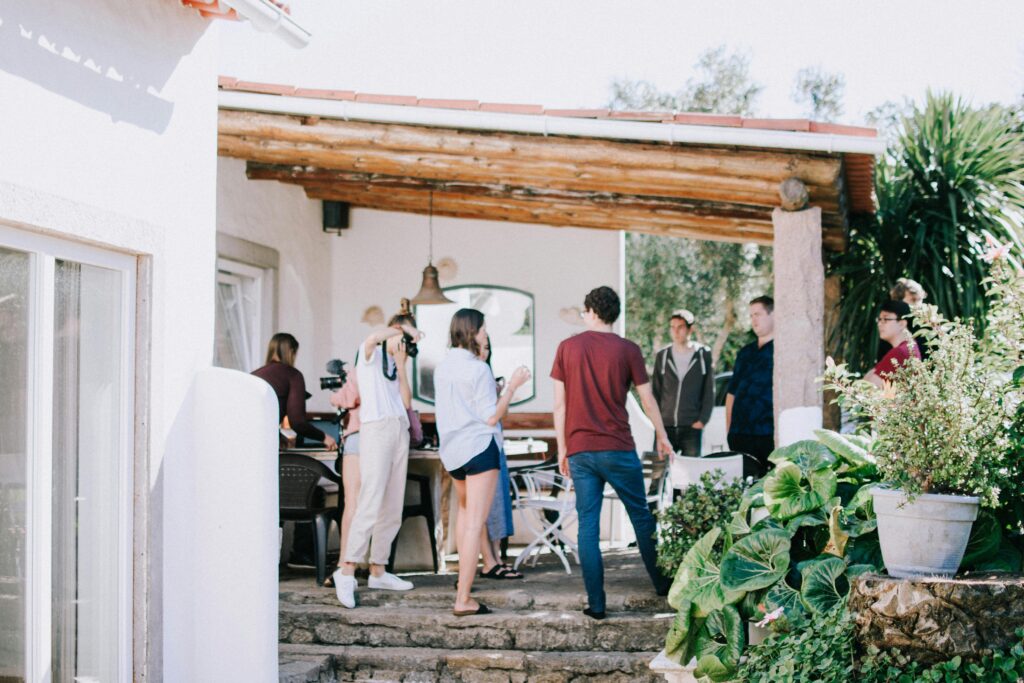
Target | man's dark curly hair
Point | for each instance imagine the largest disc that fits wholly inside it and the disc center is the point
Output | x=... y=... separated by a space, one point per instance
x=604 y=302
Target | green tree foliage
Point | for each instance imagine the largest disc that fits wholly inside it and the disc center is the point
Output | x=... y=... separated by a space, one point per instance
x=820 y=92
x=721 y=85
x=954 y=176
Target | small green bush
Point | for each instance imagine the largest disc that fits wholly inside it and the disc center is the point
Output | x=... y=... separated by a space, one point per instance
x=701 y=508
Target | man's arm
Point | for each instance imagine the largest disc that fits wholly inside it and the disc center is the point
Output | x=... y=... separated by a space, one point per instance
x=559 y=415
x=656 y=379
x=650 y=407
x=875 y=379
x=708 y=399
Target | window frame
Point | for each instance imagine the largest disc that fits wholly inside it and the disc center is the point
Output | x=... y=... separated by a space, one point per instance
x=44 y=251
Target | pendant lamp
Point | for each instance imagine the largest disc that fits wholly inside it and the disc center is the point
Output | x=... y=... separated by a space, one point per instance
x=430 y=291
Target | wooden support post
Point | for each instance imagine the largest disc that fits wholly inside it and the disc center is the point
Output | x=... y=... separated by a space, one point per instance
x=799 y=323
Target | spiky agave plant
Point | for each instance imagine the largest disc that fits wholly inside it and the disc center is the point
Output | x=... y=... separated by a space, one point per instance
x=954 y=177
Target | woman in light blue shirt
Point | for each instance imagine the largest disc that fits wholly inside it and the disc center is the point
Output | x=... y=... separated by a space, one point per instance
x=467 y=410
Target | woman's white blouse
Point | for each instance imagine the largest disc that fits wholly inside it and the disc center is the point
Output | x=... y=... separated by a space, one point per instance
x=379 y=397
x=465 y=396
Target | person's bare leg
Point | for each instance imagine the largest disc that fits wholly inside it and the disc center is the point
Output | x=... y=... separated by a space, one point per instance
x=479 y=492
x=460 y=515
x=487 y=551
x=350 y=480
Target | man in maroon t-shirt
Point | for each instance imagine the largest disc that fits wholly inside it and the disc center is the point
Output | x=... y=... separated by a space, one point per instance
x=593 y=372
x=893 y=328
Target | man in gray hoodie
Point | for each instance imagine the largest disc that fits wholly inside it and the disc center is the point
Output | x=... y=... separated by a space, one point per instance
x=683 y=383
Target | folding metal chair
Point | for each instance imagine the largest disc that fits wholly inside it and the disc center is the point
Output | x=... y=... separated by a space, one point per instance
x=548 y=499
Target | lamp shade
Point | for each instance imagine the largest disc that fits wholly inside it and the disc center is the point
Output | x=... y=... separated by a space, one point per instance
x=430 y=291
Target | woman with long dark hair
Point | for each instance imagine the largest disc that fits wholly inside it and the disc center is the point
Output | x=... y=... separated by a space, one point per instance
x=290 y=387
x=466 y=403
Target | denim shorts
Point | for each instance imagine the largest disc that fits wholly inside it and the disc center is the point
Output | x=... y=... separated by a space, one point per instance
x=489 y=459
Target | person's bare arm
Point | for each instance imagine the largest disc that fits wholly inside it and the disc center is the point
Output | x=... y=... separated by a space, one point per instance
x=875 y=379
x=650 y=407
x=404 y=388
x=559 y=414
x=385 y=333
x=518 y=379
x=728 y=411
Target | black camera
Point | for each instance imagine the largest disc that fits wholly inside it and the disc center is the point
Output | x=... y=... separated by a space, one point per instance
x=336 y=375
x=410 y=346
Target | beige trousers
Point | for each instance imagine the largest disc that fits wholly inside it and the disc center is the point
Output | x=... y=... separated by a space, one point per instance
x=383 y=461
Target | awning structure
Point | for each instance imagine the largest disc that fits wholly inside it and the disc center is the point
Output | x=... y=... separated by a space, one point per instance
x=688 y=175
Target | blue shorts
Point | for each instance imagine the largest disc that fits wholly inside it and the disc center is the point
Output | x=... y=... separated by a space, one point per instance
x=489 y=459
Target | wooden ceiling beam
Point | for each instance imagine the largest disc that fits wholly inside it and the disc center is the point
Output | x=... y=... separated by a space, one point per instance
x=564 y=175
x=767 y=165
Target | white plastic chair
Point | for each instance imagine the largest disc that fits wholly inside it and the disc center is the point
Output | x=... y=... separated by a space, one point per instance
x=686 y=471
x=549 y=503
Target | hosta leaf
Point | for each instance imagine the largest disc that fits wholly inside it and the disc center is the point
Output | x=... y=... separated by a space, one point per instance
x=722 y=635
x=748 y=606
x=738 y=525
x=711 y=668
x=986 y=537
x=679 y=634
x=837 y=538
x=785 y=596
x=855 y=570
x=809 y=455
x=697 y=580
x=824 y=584
x=854 y=455
x=1008 y=559
x=756 y=561
x=865 y=550
x=860 y=440
x=787 y=493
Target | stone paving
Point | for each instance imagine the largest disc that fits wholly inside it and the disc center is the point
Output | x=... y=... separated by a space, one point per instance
x=536 y=633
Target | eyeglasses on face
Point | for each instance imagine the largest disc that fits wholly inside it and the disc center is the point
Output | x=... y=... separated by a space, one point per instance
x=882 y=319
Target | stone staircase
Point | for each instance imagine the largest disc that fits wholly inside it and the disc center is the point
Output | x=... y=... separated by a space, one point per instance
x=536 y=633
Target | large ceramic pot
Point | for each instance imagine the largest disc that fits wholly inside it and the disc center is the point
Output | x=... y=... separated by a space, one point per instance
x=926 y=537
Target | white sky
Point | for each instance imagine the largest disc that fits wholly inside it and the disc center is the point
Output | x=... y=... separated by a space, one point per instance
x=565 y=53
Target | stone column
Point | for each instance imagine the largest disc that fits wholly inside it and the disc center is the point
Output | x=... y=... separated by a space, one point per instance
x=799 y=323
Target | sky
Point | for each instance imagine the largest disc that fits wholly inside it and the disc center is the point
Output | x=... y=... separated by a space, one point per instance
x=566 y=53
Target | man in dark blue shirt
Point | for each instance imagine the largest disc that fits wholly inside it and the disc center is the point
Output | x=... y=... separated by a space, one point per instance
x=749 y=411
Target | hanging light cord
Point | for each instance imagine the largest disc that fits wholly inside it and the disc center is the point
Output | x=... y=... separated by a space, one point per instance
x=430 y=224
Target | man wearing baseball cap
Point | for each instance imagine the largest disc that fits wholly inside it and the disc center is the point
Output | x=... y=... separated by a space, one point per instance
x=684 y=385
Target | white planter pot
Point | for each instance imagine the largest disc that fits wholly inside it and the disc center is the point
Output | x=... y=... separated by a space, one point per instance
x=927 y=537
x=672 y=672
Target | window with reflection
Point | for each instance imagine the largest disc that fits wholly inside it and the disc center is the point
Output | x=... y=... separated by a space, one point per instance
x=509 y=318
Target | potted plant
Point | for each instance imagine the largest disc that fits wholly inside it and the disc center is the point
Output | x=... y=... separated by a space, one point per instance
x=941 y=429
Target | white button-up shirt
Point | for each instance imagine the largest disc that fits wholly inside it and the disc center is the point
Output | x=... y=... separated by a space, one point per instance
x=465 y=396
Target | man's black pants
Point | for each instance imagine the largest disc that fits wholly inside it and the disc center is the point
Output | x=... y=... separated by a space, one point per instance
x=758 y=446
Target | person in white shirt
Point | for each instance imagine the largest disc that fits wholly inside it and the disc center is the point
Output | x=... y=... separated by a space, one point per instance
x=467 y=410
x=385 y=395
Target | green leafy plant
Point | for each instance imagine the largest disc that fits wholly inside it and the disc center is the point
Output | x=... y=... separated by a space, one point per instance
x=701 y=507
x=941 y=424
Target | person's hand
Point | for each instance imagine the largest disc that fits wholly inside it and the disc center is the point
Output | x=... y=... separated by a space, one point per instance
x=697 y=425
x=520 y=376
x=563 y=464
x=412 y=332
x=329 y=443
x=664 y=447
x=401 y=354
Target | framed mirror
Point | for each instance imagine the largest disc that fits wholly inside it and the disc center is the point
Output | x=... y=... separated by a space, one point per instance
x=510 y=324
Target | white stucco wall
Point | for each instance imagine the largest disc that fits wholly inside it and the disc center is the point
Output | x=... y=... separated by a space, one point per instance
x=108 y=136
x=280 y=216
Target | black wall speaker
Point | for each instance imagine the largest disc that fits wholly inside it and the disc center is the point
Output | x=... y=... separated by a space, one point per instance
x=335 y=216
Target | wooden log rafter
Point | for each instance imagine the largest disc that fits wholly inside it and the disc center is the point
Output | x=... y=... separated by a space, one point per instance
x=691 y=191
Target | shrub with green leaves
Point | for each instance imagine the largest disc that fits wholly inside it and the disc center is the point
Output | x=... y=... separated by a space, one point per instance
x=701 y=507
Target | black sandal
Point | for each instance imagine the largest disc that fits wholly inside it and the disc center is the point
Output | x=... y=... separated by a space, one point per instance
x=501 y=571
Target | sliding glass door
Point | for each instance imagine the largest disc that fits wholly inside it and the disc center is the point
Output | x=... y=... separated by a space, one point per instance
x=65 y=460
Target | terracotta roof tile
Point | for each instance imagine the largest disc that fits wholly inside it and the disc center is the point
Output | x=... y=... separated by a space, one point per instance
x=505 y=108
x=641 y=115
x=447 y=104
x=702 y=119
x=226 y=82
x=372 y=98
x=799 y=125
x=319 y=94
x=841 y=129
x=265 y=88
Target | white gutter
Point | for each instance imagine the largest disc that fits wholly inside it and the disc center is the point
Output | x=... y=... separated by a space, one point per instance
x=613 y=129
x=269 y=18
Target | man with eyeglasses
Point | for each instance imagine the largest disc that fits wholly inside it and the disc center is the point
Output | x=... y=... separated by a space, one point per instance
x=893 y=329
x=749 y=406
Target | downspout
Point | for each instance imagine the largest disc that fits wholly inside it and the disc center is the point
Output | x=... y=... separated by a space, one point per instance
x=269 y=18
x=614 y=129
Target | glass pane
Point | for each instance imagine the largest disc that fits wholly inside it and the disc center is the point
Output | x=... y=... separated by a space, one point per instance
x=87 y=450
x=227 y=351
x=14 y=314
x=508 y=314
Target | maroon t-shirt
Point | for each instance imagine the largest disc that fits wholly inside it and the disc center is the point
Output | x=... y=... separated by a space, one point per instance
x=597 y=369
x=896 y=357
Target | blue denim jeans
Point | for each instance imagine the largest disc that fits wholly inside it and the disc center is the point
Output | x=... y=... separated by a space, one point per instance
x=590 y=471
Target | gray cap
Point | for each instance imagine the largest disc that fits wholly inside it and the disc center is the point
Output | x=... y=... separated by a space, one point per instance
x=684 y=315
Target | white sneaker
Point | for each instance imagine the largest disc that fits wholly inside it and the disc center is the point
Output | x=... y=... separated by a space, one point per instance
x=389 y=582
x=345 y=587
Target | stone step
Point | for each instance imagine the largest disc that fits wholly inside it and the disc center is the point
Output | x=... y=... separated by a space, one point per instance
x=438 y=592
x=539 y=629
x=433 y=665
x=300 y=667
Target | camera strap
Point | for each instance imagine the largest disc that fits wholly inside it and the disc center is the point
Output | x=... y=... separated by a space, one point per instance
x=384 y=362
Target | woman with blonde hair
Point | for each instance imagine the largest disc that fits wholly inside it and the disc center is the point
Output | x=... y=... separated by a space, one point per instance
x=385 y=395
x=467 y=411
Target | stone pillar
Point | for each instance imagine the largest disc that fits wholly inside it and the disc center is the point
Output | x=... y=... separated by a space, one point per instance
x=799 y=323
